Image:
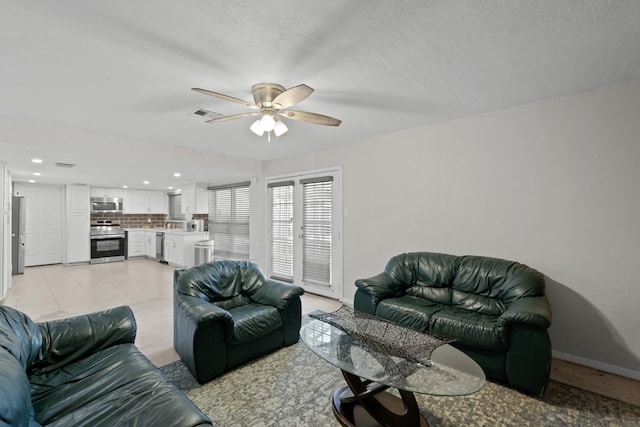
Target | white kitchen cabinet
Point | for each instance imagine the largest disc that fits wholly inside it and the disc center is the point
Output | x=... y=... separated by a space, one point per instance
x=77 y=200
x=195 y=199
x=157 y=202
x=144 y=202
x=179 y=249
x=174 y=250
x=77 y=224
x=107 y=192
x=150 y=243
x=136 y=243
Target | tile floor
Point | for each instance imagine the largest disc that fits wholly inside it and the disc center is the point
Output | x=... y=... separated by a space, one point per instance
x=57 y=291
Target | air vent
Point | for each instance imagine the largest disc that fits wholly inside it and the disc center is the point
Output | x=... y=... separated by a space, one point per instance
x=205 y=114
x=64 y=165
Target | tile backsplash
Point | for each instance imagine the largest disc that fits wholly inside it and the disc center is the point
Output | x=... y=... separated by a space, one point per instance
x=141 y=220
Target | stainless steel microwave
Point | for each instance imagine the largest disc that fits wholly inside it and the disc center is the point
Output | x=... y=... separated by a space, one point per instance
x=106 y=204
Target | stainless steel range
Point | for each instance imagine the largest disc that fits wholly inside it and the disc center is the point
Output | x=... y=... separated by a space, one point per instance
x=107 y=242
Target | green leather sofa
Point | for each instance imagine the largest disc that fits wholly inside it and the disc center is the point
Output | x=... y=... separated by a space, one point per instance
x=496 y=310
x=84 y=371
x=226 y=314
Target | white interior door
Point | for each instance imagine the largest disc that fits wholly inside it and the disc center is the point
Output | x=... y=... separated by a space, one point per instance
x=305 y=231
x=43 y=224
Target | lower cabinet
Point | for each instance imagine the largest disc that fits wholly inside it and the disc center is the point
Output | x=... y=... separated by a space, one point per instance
x=136 y=244
x=180 y=248
x=174 y=250
x=150 y=243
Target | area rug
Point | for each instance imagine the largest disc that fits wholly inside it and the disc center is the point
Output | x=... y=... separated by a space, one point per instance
x=293 y=387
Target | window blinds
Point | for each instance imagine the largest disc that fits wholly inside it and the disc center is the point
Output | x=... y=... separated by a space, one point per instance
x=229 y=208
x=281 y=211
x=316 y=226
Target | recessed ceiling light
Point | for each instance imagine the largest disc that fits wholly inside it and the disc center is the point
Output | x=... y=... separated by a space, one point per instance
x=170 y=188
x=36 y=160
x=177 y=174
x=32 y=181
x=145 y=182
x=125 y=186
x=36 y=173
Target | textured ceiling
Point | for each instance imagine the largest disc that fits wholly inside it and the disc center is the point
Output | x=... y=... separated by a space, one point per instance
x=106 y=85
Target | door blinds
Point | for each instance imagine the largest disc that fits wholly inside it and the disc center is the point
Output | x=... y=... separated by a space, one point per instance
x=316 y=230
x=229 y=208
x=281 y=209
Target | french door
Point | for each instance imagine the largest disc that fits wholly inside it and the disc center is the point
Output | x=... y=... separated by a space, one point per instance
x=304 y=230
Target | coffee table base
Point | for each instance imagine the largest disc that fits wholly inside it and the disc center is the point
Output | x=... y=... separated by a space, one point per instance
x=367 y=404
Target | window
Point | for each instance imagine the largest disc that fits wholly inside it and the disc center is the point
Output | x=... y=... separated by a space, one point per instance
x=281 y=239
x=316 y=230
x=229 y=208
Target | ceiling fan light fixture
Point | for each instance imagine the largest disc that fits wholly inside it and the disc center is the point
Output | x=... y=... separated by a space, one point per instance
x=268 y=122
x=280 y=128
x=256 y=127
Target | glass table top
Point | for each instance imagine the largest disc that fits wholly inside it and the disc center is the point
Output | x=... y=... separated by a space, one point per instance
x=452 y=373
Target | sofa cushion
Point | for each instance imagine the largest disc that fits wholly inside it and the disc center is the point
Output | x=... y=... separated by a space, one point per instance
x=424 y=268
x=115 y=386
x=497 y=278
x=477 y=303
x=408 y=310
x=220 y=280
x=431 y=293
x=254 y=320
x=470 y=328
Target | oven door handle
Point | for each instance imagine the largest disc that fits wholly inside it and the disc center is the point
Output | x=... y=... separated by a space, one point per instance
x=107 y=237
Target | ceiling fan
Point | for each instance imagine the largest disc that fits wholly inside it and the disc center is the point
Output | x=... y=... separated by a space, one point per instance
x=272 y=101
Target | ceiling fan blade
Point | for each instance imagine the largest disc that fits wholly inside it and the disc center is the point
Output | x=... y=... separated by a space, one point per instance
x=233 y=117
x=292 y=96
x=226 y=97
x=314 y=118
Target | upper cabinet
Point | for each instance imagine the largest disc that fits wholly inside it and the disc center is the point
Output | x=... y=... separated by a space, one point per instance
x=144 y=202
x=77 y=197
x=107 y=192
x=195 y=199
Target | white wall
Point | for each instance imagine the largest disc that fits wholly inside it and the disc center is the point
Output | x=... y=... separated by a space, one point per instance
x=5 y=230
x=552 y=184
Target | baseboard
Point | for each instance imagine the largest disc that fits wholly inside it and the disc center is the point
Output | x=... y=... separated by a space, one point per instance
x=347 y=301
x=605 y=367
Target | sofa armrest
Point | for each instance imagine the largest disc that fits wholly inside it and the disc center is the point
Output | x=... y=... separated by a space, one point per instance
x=203 y=314
x=201 y=332
x=276 y=294
x=67 y=340
x=380 y=287
x=531 y=311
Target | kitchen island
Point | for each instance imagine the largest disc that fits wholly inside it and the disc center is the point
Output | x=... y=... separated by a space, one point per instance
x=178 y=248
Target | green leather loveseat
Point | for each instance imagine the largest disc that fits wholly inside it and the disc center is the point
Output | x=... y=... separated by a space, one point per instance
x=84 y=371
x=496 y=310
x=226 y=314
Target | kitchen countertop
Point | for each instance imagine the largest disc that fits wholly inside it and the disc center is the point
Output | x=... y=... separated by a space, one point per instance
x=169 y=231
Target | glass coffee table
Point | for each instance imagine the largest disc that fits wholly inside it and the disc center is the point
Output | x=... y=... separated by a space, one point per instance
x=369 y=370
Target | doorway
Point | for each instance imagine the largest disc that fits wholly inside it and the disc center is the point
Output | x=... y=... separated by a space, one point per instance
x=43 y=224
x=304 y=230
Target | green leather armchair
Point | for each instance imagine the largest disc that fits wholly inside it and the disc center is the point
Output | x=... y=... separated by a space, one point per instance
x=496 y=310
x=226 y=313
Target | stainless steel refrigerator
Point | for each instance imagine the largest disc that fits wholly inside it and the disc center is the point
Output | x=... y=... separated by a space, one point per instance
x=17 y=234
